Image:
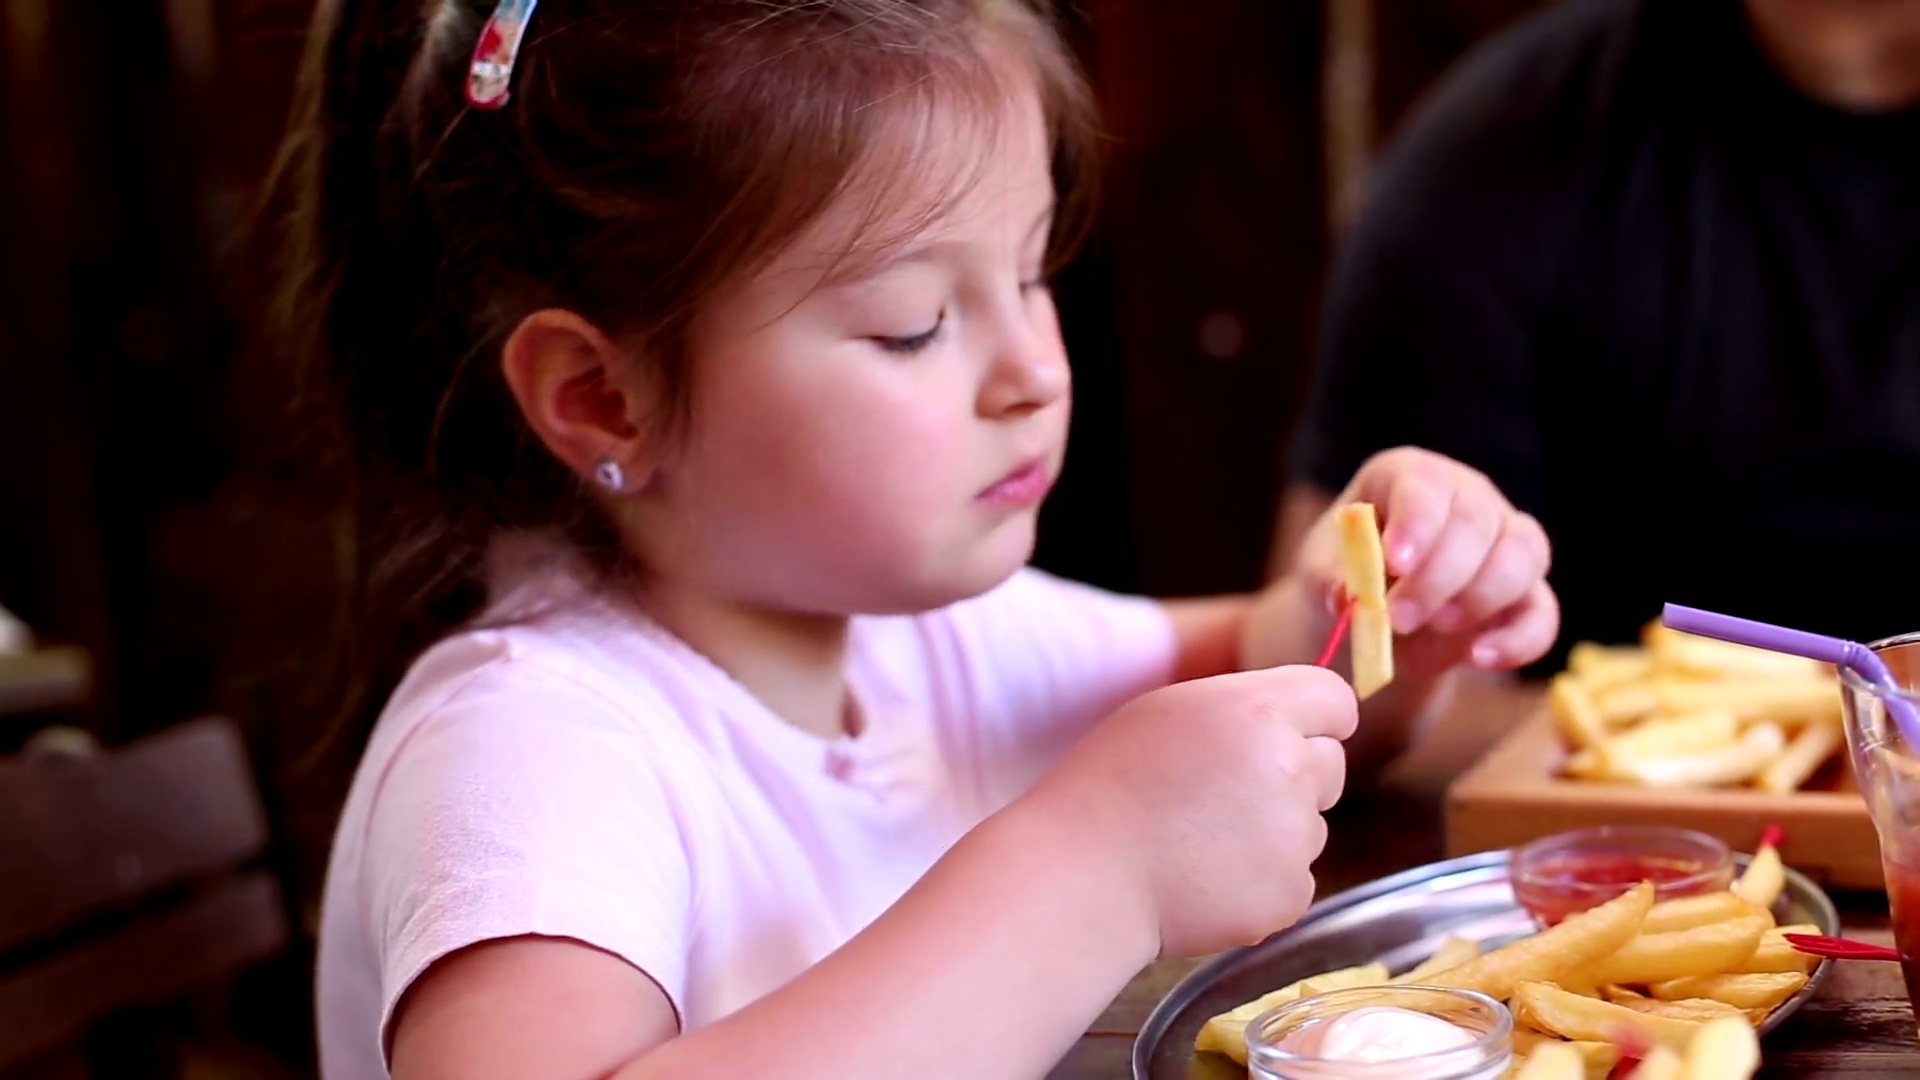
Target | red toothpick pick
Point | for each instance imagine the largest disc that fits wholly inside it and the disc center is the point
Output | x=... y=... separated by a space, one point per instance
x=1339 y=632
x=1773 y=837
x=1633 y=1050
x=1840 y=948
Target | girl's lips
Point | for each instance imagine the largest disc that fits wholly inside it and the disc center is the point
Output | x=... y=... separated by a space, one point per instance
x=1024 y=486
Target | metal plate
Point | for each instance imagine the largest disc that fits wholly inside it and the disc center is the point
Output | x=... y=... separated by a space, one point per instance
x=1400 y=921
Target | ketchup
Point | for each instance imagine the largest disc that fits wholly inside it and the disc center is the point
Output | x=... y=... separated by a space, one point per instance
x=1571 y=882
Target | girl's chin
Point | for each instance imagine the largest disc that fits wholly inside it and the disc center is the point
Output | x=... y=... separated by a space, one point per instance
x=983 y=571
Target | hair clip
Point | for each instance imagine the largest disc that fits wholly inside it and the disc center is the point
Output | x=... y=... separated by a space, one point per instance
x=490 y=76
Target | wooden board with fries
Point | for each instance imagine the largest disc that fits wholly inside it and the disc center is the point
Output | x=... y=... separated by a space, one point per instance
x=1681 y=985
x=1684 y=731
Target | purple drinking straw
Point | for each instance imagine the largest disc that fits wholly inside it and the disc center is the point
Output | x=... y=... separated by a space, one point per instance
x=1838 y=651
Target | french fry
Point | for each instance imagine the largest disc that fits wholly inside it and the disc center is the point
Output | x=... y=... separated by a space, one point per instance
x=1372 y=640
x=1452 y=952
x=1624 y=702
x=1227 y=1032
x=1763 y=992
x=1703 y=950
x=1553 y=1061
x=1764 y=877
x=1775 y=955
x=1732 y=764
x=1803 y=757
x=1598 y=1057
x=1601 y=666
x=1576 y=714
x=1669 y=733
x=1675 y=650
x=1676 y=734
x=1687 y=912
x=1572 y=944
x=1724 y=1049
x=1792 y=700
x=1364 y=573
x=1696 y=1010
x=1661 y=1064
x=1577 y=1018
x=1652 y=739
x=1363 y=566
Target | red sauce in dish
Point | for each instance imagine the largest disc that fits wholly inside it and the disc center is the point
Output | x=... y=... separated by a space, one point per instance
x=1561 y=885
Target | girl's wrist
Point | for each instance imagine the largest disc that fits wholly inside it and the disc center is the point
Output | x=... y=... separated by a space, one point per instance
x=1289 y=623
x=1078 y=845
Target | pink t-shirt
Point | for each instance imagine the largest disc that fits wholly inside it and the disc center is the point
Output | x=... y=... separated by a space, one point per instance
x=580 y=772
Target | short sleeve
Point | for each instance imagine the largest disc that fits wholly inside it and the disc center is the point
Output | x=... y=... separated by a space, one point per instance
x=1046 y=658
x=525 y=805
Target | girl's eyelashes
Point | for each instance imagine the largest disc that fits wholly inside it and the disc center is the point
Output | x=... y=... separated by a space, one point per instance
x=912 y=343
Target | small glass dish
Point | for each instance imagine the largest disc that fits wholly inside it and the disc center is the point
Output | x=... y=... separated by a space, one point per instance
x=1560 y=875
x=1487 y=1056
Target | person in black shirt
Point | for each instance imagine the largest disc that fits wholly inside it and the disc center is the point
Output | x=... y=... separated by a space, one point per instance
x=1654 y=267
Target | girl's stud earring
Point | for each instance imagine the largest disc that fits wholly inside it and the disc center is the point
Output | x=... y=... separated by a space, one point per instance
x=611 y=475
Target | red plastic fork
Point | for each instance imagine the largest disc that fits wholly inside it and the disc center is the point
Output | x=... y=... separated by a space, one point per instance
x=1839 y=948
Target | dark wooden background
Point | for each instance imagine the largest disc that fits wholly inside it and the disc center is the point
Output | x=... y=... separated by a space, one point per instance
x=136 y=519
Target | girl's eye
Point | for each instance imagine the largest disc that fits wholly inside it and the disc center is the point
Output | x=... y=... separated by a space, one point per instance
x=1035 y=284
x=912 y=343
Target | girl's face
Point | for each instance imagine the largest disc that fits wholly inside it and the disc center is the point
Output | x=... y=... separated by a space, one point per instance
x=881 y=443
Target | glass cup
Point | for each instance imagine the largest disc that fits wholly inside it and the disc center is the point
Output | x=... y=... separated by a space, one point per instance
x=1487 y=1057
x=1887 y=768
x=1567 y=873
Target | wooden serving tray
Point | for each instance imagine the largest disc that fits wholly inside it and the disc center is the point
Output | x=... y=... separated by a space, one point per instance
x=1514 y=794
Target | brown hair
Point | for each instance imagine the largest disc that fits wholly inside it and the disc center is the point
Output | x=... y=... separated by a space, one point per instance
x=651 y=151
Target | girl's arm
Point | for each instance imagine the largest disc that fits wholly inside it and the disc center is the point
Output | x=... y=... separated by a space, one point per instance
x=1206 y=634
x=992 y=965
x=1161 y=832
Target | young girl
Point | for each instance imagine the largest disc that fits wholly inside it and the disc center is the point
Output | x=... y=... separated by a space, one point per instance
x=704 y=391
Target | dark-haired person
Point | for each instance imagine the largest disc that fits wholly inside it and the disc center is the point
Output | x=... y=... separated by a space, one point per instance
x=1653 y=266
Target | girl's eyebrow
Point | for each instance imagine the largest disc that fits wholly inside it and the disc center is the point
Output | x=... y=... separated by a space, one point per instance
x=859 y=271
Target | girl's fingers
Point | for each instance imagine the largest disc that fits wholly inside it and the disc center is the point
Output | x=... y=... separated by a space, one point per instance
x=1518 y=560
x=1462 y=547
x=1521 y=634
x=1415 y=493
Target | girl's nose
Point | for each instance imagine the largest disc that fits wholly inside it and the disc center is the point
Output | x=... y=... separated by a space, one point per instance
x=1029 y=373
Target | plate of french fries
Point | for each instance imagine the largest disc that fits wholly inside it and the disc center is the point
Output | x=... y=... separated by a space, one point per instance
x=1666 y=981
x=1680 y=711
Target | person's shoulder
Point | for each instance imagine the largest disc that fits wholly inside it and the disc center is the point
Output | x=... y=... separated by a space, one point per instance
x=1518 y=110
x=535 y=687
x=1556 y=62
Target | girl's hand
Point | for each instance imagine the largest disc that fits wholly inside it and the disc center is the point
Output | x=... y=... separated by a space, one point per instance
x=1467 y=571
x=1205 y=799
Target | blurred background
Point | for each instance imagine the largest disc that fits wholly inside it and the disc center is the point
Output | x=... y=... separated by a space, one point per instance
x=153 y=544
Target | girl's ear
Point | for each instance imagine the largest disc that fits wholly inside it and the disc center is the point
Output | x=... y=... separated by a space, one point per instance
x=578 y=392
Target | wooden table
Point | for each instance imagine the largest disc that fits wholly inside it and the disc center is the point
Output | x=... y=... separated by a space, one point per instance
x=1859 y=1026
